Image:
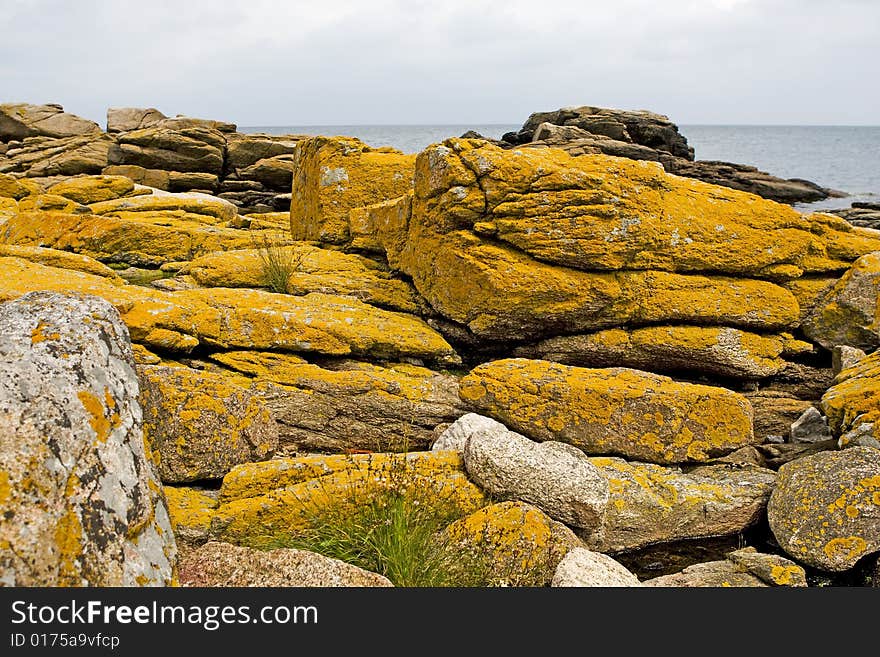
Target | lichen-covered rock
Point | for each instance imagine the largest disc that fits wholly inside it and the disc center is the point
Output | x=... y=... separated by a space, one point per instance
x=843 y=357
x=516 y=543
x=556 y=478
x=312 y=269
x=853 y=400
x=245 y=150
x=93 y=189
x=582 y=567
x=272 y=514
x=349 y=405
x=123 y=119
x=81 y=501
x=201 y=424
x=653 y=504
x=21 y=120
x=847 y=314
x=204 y=207
x=825 y=508
x=596 y=212
x=381 y=227
x=709 y=574
x=332 y=175
x=774 y=413
x=619 y=411
x=771 y=568
x=140 y=239
x=11 y=188
x=222 y=564
x=155 y=178
x=502 y=294
x=456 y=435
x=809 y=290
x=190 y=510
x=8 y=208
x=712 y=350
x=50 y=202
x=245 y=319
x=61 y=260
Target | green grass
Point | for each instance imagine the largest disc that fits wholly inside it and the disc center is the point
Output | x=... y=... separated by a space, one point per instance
x=278 y=263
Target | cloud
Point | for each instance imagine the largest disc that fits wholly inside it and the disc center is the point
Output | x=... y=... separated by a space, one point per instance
x=274 y=62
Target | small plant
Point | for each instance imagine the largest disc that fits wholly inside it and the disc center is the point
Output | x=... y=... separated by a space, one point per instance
x=278 y=263
x=392 y=525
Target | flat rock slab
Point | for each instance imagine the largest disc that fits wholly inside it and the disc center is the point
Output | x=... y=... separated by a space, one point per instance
x=585 y=568
x=619 y=411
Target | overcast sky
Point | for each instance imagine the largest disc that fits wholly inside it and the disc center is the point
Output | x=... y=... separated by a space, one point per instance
x=287 y=62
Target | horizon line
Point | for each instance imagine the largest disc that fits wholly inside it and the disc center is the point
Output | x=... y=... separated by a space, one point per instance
x=479 y=123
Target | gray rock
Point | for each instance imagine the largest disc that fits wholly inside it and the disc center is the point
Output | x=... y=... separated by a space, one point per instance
x=82 y=502
x=123 y=119
x=20 y=120
x=582 y=567
x=224 y=564
x=843 y=357
x=455 y=436
x=811 y=427
x=557 y=478
x=66 y=156
x=861 y=435
x=171 y=148
x=709 y=574
x=245 y=150
x=823 y=510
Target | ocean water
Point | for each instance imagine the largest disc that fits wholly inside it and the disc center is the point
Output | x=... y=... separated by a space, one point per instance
x=845 y=158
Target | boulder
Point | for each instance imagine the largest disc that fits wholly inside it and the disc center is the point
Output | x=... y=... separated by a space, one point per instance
x=12 y=188
x=81 y=501
x=711 y=350
x=853 y=401
x=202 y=207
x=514 y=543
x=581 y=567
x=773 y=569
x=272 y=172
x=843 y=357
x=245 y=150
x=652 y=504
x=556 y=478
x=191 y=511
x=774 y=413
x=332 y=175
x=810 y=427
x=201 y=424
x=21 y=120
x=66 y=156
x=713 y=574
x=349 y=405
x=61 y=260
x=154 y=178
x=93 y=189
x=825 y=508
x=171 y=148
x=456 y=435
x=635 y=414
x=222 y=564
x=847 y=313
x=124 y=119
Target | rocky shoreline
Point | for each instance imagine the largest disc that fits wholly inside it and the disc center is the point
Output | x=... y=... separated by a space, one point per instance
x=590 y=359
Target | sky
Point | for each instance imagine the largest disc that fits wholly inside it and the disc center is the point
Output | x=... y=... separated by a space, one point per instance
x=339 y=62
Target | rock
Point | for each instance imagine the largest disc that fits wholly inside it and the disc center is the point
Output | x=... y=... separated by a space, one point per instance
x=862 y=435
x=455 y=436
x=748 y=179
x=809 y=291
x=777 y=455
x=61 y=260
x=312 y=269
x=514 y=542
x=349 y=405
x=843 y=357
x=272 y=172
x=582 y=567
x=203 y=207
x=332 y=175
x=8 y=208
x=721 y=351
x=196 y=181
x=222 y=564
x=140 y=239
x=852 y=403
x=171 y=149
x=811 y=427
x=577 y=141
x=771 y=568
x=245 y=319
x=245 y=150
x=799 y=380
x=21 y=120
x=774 y=414
x=710 y=574
x=93 y=189
x=150 y=177
x=636 y=127
x=201 y=424
x=866 y=215
x=181 y=122
x=12 y=188
x=652 y=504
x=278 y=499
x=81 y=500
x=825 y=508
x=191 y=511
x=611 y=411
x=847 y=314
x=124 y=119
x=49 y=203
x=556 y=478
x=66 y=156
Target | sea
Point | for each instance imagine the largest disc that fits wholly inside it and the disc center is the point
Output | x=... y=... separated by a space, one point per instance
x=843 y=158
